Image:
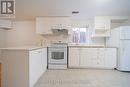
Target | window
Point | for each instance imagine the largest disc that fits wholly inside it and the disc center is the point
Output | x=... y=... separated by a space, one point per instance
x=80 y=35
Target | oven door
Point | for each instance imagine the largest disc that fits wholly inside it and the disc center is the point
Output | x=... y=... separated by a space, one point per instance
x=57 y=55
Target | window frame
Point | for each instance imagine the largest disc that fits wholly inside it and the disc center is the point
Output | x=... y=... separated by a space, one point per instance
x=87 y=36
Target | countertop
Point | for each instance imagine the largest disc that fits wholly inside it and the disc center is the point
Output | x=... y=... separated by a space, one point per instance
x=39 y=47
x=23 y=48
x=91 y=46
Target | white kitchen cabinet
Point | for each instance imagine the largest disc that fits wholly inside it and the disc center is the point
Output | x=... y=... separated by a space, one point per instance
x=37 y=64
x=92 y=57
x=22 y=68
x=102 y=27
x=44 y=25
x=111 y=58
x=100 y=34
x=102 y=23
x=88 y=57
x=101 y=57
x=6 y=24
x=44 y=59
x=74 y=57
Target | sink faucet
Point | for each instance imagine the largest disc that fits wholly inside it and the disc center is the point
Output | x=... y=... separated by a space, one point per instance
x=41 y=42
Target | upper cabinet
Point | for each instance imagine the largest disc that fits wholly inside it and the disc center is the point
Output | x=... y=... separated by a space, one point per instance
x=44 y=25
x=102 y=25
x=6 y=24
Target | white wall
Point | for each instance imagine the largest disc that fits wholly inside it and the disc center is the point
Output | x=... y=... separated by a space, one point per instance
x=2 y=37
x=22 y=34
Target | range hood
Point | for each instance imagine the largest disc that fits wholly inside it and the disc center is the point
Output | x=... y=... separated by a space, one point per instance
x=60 y=31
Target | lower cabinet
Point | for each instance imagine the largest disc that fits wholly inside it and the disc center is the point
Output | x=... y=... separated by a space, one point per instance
x=111 y=58
x=23 y=68
x=74 y=55
x=37 y=65
x=88 y=57
x=92 y=57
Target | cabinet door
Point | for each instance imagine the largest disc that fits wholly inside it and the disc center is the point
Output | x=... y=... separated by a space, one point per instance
x=36 y=62
x=101 y=57
x=93 y=56
x=102 y=23
x=111 y=58
x=88 y=57
x=43 y=26
x=74 y=57
x=125 y=32
x=44 y=59
x=85 y=59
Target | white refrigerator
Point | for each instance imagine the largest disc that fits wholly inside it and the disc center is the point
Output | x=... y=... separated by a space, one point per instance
x=120 y=38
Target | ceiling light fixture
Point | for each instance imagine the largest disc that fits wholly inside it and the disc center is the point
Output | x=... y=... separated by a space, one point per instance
x=75 y=12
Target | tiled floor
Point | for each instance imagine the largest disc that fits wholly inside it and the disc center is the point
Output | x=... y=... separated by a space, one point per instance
x=84 y=78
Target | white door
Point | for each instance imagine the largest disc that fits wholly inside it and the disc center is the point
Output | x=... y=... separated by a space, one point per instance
x=74 y=57
x=125 y=33
x=124 y=59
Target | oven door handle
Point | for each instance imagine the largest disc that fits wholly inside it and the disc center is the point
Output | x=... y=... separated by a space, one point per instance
x=58 y=59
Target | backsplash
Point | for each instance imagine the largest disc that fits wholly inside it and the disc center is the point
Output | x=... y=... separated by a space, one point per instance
x=47 y=40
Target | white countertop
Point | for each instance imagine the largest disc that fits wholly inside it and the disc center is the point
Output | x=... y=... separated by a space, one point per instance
x=39 y=47
x=80 y=45
x=91 y=46
x=23 y=48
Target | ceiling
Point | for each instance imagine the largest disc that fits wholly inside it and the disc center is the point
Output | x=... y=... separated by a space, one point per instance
x=29 y=9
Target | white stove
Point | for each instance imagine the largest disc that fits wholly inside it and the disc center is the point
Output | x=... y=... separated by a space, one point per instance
x=57 y=56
